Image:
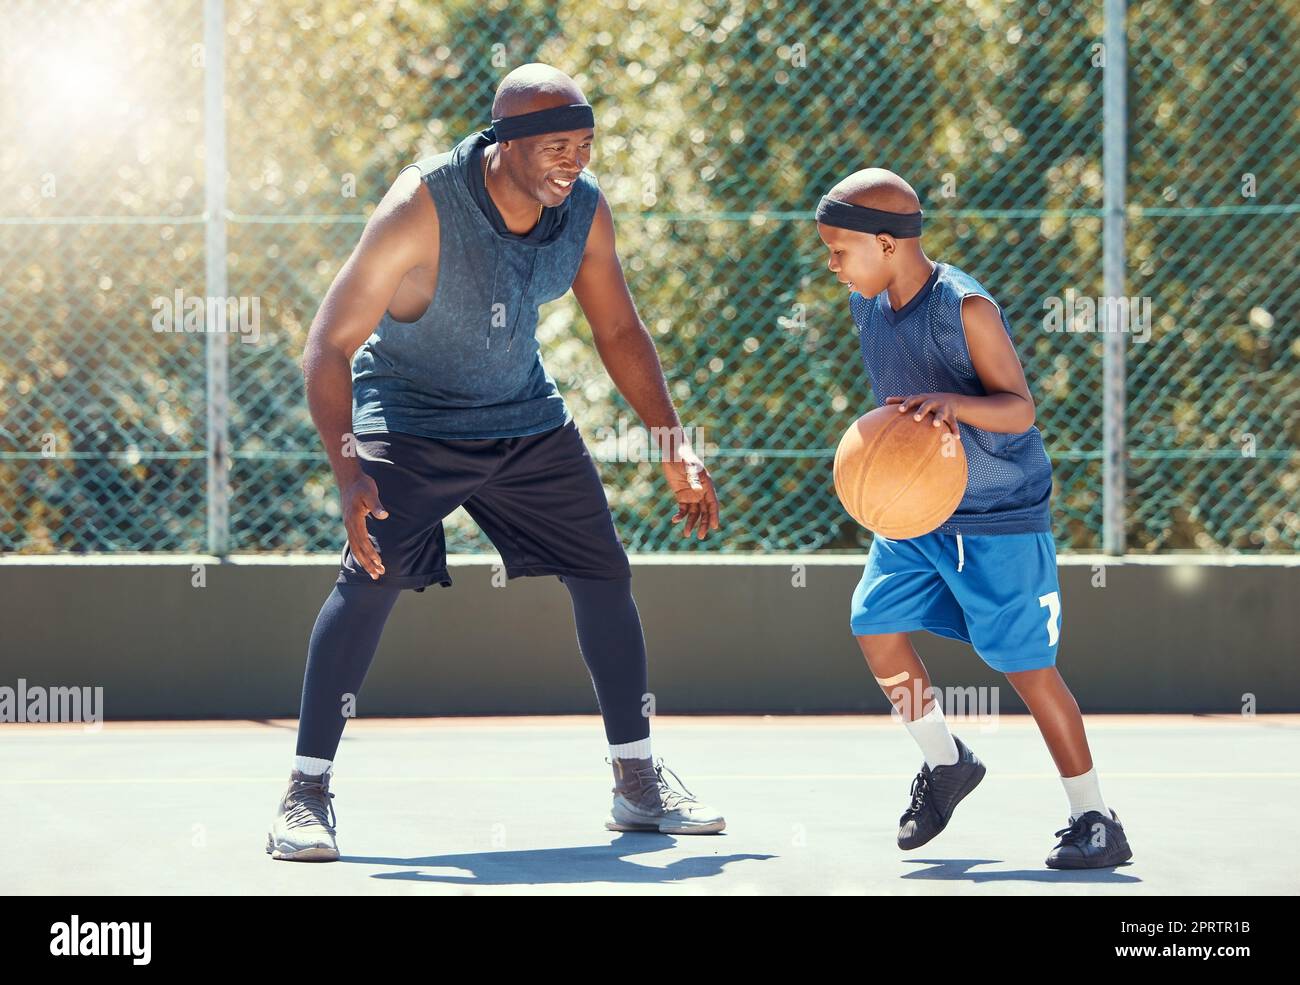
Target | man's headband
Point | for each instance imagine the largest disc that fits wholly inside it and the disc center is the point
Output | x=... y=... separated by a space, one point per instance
x=903 y=225
x=557 y=119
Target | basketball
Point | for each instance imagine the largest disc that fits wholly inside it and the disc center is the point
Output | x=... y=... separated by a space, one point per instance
x=899 y=477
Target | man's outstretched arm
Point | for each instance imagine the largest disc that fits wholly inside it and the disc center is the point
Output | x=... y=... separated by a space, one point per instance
x=629 y=355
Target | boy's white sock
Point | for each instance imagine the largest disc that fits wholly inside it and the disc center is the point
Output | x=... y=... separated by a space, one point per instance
x=1084 y=792
x=931 y=733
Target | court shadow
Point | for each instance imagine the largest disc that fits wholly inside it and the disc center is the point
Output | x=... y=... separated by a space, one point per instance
x=956 y=869
x=557 y=866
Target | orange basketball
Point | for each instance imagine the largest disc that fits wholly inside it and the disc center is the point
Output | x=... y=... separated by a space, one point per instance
x=899 y=477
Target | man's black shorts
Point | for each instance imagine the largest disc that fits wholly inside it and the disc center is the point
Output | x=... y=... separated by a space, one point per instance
x=538 y=498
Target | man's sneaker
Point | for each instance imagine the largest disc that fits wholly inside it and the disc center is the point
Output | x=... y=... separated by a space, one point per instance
x=1092 y=841
x=303 y=829
x=935 y=795
x=644 y=800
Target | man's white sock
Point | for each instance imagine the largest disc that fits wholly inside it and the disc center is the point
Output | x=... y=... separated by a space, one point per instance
x=931 y=733
x=310 y=766
x=1084 y=792
x=631 y=750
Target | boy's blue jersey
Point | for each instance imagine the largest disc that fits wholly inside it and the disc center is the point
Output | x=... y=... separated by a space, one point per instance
x=922 y=349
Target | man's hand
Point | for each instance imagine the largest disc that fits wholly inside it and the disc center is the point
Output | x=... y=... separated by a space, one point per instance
x=942 y=405
x=691 y=484
x=359 y=499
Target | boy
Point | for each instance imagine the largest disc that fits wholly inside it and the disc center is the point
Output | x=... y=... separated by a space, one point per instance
x=935 y=344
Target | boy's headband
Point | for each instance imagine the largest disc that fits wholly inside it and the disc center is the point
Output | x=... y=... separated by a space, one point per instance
x=575 y=116
x=859 y=218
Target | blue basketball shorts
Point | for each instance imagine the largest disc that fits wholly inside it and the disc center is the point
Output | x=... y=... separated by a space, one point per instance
x=538 y=498
x=997 y=592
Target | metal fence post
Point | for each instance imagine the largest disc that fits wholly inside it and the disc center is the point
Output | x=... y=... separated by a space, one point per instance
x=1114 y=167
x=214 y=154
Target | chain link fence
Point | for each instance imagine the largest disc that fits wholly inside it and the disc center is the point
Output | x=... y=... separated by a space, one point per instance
x=719 y=124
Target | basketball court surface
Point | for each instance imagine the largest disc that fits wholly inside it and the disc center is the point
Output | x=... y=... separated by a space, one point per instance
x=516 y=806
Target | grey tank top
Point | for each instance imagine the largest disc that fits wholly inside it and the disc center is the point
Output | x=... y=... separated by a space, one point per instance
x=470 y=366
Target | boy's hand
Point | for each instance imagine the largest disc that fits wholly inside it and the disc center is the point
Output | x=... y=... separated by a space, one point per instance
x=942 y=405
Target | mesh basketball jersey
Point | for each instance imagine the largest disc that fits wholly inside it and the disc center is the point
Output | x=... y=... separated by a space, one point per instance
x=922 y=349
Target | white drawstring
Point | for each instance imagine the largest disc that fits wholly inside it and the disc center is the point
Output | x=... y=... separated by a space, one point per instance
x=961 y=553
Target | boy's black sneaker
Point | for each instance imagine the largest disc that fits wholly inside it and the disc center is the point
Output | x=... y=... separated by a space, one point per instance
x=1092 y=841
x=935 y=795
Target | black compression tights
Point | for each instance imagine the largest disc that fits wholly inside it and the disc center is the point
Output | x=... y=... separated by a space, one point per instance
x=347 y=631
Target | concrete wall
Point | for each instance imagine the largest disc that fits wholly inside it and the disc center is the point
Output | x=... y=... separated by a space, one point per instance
x=725 y=634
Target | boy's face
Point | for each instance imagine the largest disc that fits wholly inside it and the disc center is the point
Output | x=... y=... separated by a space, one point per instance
x=860 y=260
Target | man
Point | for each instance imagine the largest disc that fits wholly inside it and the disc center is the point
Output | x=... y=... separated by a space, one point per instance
x=447 y=404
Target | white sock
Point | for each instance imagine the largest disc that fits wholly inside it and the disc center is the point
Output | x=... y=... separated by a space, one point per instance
x=631 y=750
x=312 y=767
x=931 y=733
x=1084 y=792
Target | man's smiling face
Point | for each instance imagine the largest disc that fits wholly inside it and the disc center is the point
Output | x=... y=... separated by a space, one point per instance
x=546 y=166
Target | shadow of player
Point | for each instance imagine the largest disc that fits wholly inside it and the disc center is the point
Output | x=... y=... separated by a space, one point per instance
x=960 y=869
x=550 y=866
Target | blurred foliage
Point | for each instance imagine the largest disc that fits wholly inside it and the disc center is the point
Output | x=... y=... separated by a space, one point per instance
x=719 y=126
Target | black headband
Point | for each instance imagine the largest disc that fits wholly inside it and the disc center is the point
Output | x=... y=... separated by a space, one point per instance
x=557 y=119
x=903 y=225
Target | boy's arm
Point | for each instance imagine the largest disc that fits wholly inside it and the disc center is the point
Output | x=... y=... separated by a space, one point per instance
x=1008 y=408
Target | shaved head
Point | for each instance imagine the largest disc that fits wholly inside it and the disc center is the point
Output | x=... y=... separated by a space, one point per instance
x=541 y=167
x=534 y=87
x=876 y=188
x=871 y=262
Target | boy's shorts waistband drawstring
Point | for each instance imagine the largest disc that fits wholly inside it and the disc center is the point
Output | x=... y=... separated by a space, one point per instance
x=961 y=554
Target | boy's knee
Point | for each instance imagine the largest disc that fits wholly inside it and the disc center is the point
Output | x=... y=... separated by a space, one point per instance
x=882 y=646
